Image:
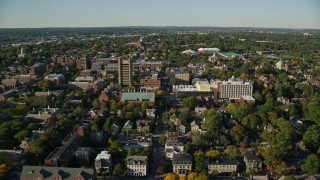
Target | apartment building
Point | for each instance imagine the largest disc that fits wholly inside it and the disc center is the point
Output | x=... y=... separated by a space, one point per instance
x=137 y=165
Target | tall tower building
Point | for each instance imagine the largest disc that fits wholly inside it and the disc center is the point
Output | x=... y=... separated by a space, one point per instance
x=125 y=71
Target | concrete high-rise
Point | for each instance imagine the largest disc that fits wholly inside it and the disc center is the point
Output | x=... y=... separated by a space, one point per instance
x=125 y=71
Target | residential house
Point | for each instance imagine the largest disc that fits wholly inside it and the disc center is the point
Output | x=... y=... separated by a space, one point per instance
x=195 y=126
x=137 y=165
x=172 y=148
x=199 y=110
x=6 y=95
x=103 y=164
x=181 y=128
x=138 y=142
x=97 y=136
x=104 y=97
x=143 y=126
x=115 y=127
x=128 y=126
x=56 y=173
x=182 y=164
x=151 y=113
x=252 y=161
x=83 y=155
x=223 y=166
x=172 y=136
x=174 y=119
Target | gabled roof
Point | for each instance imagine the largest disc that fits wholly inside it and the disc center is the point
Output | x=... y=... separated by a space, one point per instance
x=9 y=82
x=30 y=172
x=181 y=158
x=251 y=156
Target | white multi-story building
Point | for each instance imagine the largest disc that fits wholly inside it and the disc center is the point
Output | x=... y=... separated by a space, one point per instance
x=103 y=163
x=234 y=88
x=182 y=164
x=137 y=165
x=56 y=78
x=226 y=166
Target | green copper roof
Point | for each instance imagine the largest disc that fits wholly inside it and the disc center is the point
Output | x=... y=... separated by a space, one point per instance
x=137 y=96
x=229 y=54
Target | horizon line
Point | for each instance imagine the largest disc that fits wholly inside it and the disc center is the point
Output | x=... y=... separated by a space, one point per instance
x=161 y=26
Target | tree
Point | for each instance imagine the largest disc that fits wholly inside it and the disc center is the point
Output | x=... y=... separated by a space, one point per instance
x=118 y=170
x=212 y=154
x=252 y=122
x=279 y=167
x=199 y=160
x=95 y=103
x=238 y=134
x=46 y=85
x=189 y=102
x=21 y=135
x=198 y=176
x=188 y=148
x=232 y=152
x=313 y=108
x=159 y=92
x=311 y=164
x=197 y=138
x=4 y=168
x=173 y=81
x=162 y=139
x=170 y=176
x=161 y=170
x=311 y=138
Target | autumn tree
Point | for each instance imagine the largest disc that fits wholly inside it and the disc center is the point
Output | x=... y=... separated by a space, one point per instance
x=212 y=154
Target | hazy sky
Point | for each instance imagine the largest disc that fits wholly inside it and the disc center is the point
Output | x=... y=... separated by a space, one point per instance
x=106 y=13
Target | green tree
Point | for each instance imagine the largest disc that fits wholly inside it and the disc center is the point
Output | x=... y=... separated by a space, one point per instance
x=252 y=122
x=118 y=170
x=311 y=138
x=199 y=160
x=232 y=152
x=313 y=108
x=46 y=85
x=162 y=139
x=21 y=135
x=189 y=102
x=311 y=164
x=189 y=148
x=95 y=103
x=238 y=134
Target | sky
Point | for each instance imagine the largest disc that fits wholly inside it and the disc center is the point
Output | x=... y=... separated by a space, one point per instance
x=114 y=13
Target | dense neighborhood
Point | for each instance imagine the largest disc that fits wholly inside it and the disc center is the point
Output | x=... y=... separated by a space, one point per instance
x=160 y=104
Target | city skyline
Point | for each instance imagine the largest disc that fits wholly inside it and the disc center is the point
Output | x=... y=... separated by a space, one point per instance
x=229 y=13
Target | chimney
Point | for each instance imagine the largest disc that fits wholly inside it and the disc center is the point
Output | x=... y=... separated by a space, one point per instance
x=48 y=107
x=81 y=131
x=39 y=113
